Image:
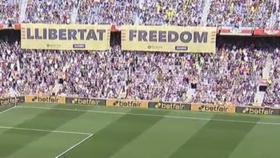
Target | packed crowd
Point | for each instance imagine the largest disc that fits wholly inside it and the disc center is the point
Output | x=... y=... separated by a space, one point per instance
x=117 y=12
x=49 y=11
x=233 y=13
x=245 y=13
x=171 y=12
x=231 y=75
x=9 y=12
x=148 y=12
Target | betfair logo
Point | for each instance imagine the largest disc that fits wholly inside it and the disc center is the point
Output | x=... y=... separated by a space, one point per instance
x=85 y=101
x=174 y=106
x=45 y=99
x=8 y=101
x=210 y=108
x=126 y=104
x=34 y=99
x=258 y=111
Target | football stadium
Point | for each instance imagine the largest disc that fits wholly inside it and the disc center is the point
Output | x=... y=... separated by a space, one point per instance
x=139 y=78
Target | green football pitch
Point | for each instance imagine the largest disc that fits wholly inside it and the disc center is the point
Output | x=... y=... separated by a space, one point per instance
x=50 y=131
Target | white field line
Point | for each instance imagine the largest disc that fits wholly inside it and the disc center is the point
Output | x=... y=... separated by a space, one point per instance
x=1 y=112
x=44 y=130
x=74 y=146
x=53 y=131
x=154 y=115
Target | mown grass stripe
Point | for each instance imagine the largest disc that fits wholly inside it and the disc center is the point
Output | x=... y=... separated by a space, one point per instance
x=215 y=139
x=114 y=137
x=259 y=143
x=161 y=140
x=13 y=140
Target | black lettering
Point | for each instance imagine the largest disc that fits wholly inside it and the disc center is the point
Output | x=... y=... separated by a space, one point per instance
x=37 y=34
x=52 y=34
x=29 y=34
x=153 y=36
x=72 y=34
x=132 y=34
x=91 y=35
x=101 y=34
x=162 y=36
x=186 y=37
x=82 y=33
x=45 y=33
x=200 y=38
x=142 y=36
x=172 y=36
x=62 y=34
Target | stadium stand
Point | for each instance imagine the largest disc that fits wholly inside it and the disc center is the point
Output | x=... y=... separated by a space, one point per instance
x=9 y=12
x=232 y=75
x=49 y=11
x=235 y=13
x=243 y=13
x=107 y=12
x=173 y=12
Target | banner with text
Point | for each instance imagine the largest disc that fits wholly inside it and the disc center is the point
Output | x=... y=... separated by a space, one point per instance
x=127 y=103
x=213 y=108
x=258 y=110
x=169 y=39
x=85 y=101
x=65 y=37
x=45 y=99
x=170 y=105
x=11 y=101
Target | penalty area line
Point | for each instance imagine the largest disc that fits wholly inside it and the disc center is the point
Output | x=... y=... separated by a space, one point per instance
x=74 y=146
x=1 y=112
x=44 y=130
x=89 y=135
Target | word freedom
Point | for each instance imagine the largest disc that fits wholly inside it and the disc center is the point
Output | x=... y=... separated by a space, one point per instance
x=66 y=34
x=168 y=36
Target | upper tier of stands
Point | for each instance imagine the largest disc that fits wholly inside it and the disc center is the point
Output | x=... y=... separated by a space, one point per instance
x=234 y=13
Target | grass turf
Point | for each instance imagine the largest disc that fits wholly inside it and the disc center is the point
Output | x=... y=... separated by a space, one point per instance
x=42 y=130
